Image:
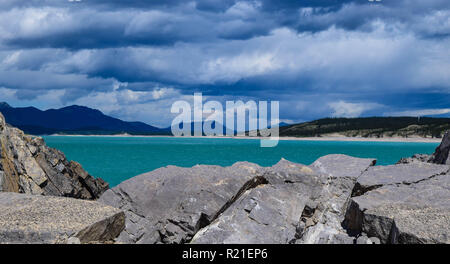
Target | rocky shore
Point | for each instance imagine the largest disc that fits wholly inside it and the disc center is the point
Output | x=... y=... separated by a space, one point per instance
x=336 y=200
x=28 y=166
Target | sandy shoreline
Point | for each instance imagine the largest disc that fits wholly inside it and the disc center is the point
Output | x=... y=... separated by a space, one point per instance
x=329 y=138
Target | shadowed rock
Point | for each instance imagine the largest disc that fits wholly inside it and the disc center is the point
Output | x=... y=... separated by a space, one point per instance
x=416 y=158
x=404 y=203
x=39 y=219
x=442 y=153
x=378 y=176
x=342 y=172
x=440 y=156
x=27 y=165
x=406 y=214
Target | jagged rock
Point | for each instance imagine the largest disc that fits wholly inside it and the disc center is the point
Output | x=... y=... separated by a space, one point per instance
x=171 y=204
x=416 y=158
x=414 y=213
x=269 y=209
x=287 y=203
x=342 y=172
x=39 y=219
x=248 y=203
x=27 y=165
x=441 y=155
x=306 y=205
x=377 y=176
x=269 y=213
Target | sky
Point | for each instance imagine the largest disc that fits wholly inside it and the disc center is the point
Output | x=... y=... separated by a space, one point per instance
x=319 y=58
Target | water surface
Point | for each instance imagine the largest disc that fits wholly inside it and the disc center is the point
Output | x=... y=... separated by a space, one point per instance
x=116 y=159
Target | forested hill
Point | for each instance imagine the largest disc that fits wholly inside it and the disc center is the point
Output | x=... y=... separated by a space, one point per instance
x=370 y=127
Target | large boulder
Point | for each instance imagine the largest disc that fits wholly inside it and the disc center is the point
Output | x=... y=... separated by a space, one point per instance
x=339 y=165
x=269 y=213
x=171 y=204
x=285 y=203
x=378 y=176
x=403 y=203
x=27 y=165
x=40 y=219
x=324 y=222
x=405 y=213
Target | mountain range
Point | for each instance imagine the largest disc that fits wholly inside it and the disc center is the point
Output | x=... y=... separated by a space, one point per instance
x=77 y=120
x=86 y=121
x=73 y=120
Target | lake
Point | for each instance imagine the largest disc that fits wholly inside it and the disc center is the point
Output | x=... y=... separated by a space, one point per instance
x=116 y=159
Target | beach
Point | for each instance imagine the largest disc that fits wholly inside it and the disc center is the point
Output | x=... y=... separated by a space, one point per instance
x=325 y=138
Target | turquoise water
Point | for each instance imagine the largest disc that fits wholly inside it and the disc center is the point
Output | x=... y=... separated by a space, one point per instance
x=116 y=159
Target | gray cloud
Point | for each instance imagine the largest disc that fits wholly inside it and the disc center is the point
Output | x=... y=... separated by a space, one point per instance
x=318 y=58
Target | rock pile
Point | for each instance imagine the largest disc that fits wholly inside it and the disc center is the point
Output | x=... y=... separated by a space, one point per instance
x=337 y=199
x=28 y=166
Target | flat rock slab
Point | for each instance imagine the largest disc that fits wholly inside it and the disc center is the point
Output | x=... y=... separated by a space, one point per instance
x=44 y=219
x=416 y=213
x=339 y=165
x=400 y=174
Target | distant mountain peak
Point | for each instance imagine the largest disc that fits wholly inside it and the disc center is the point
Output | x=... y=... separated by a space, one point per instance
x=4 y=105
x=76 y=107
x=74 y=119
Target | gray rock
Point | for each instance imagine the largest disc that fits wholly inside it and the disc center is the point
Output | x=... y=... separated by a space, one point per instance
x=342 y=172
x=171 y=204
x=27 y=165
x=73 y=240
x=242 y=203
x=416 y=158
x=361 y=240
x=295 y=206
x=378 y=176
x=264 y=215
x=339 y=165
x=40 y=219
x=415 y=213
x=339 y=238
x=375 y=240
x=441 y=155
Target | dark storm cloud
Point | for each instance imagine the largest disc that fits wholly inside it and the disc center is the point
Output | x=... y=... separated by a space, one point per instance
x=318 y=57
x=81 y=25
